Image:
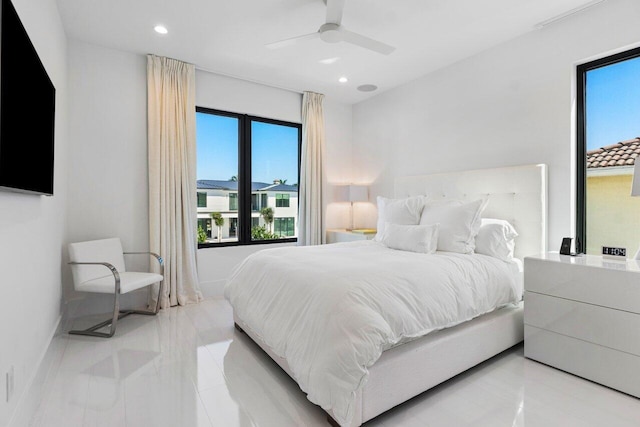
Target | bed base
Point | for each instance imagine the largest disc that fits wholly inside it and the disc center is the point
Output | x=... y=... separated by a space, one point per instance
x=409 y=369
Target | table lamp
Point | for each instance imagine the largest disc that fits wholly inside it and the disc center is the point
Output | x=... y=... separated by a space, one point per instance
x=356 y=193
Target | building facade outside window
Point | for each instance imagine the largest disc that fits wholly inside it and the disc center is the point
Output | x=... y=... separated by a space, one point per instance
x=246 y=164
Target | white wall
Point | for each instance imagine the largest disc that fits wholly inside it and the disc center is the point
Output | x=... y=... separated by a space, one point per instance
x=229 y=94
x=339 y=165
x=108 y=189
x=32 y=228
x=510 y=105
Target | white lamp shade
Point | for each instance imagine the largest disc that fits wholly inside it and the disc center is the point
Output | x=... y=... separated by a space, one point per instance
x=635 y=184
x=358 y=193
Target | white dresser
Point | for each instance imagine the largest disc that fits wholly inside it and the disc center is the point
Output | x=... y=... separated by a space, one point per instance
x=582 y=315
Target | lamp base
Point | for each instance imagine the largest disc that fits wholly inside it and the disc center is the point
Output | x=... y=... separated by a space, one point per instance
x=352 y=226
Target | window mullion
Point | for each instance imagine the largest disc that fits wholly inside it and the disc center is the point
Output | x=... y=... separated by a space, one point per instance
x=245 y=176
x=581 y=205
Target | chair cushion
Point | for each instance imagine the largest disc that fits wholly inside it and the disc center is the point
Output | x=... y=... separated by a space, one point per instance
x=129 y=281
x=103 y=250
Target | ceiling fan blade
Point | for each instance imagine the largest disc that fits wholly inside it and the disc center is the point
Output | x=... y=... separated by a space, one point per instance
x=366 y=42
x=334 y=11
x=292 y=41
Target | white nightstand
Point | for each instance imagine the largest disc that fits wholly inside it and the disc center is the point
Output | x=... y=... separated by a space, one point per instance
x=342 y=235
x=582 y=315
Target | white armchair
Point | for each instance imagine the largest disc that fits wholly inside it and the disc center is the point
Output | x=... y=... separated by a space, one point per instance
x=98 y=266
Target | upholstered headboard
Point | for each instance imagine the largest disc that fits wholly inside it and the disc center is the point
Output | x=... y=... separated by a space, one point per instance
x=517 y=194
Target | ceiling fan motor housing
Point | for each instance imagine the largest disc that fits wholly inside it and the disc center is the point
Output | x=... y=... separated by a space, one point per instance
x=330 y=33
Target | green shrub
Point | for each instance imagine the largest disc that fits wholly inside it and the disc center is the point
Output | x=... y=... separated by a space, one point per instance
x=202 y=235
x=259 y=232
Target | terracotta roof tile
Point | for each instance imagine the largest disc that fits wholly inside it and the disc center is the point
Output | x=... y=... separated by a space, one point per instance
x=621 y=153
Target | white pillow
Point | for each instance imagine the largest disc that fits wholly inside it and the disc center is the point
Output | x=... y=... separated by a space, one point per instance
x=496 y=238
x=459 y=223
x=415 y=238
x=398 y=211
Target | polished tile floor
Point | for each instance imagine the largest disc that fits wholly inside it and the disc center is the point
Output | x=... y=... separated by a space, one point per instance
x=189 y=367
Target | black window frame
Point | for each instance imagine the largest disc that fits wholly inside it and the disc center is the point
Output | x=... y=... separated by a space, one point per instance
x=581 y=139
x=244 y=176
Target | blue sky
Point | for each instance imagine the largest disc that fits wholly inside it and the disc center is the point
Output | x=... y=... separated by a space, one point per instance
x=613 y=103
x=274 y=149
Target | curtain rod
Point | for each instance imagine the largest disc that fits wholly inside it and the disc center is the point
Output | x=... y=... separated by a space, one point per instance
x=248 y=80
x=237 y=78
x=567 y=14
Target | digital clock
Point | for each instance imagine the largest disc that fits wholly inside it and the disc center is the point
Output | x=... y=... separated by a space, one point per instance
x=613 y=252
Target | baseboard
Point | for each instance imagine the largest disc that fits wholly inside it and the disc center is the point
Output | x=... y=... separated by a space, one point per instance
x=31 y=396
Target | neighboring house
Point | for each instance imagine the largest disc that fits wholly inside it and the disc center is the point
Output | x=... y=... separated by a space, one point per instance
x=613 y=216
x=222 y=196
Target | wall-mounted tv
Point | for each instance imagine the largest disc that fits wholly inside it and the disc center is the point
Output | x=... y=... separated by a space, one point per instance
x=27 y=111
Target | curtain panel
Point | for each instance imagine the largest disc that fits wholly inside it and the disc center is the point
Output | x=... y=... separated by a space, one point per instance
x=311 y=222
x=172 y=176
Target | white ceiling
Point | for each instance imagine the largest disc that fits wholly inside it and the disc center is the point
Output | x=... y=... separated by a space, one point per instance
x=229 y=36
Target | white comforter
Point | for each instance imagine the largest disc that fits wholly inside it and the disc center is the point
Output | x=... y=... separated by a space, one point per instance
x=331 y=310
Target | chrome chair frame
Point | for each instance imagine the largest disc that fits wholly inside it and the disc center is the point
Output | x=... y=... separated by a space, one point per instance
x=117 y=314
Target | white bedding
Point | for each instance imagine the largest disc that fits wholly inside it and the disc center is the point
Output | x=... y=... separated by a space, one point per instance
x=331 y=310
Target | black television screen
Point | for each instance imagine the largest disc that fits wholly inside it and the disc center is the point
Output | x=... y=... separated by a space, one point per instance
x=27 y=111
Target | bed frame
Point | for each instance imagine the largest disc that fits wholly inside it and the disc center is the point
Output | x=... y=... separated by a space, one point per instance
x=517 y=194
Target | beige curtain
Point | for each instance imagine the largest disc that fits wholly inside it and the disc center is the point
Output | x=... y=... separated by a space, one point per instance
x=311 y=230
x=172 y=176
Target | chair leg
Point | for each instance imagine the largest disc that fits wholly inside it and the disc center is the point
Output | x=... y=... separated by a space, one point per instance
x=91 y=332
x=149 y=312
x=117 y=315
x=160 y=285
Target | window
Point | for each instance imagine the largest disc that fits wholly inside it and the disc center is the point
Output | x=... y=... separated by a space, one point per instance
x=202 y=200
x=284 y=226
x=233 y=201
x=242 y=162
x=282 y=200
x=608 y=131
x=255 y=204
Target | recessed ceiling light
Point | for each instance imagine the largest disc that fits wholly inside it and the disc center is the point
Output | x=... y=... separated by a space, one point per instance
x=343 y=79
x=329 y=61
x=367 y=88
x=161 y=29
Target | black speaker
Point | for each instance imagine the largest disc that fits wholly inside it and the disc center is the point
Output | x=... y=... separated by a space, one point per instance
x=565 y=248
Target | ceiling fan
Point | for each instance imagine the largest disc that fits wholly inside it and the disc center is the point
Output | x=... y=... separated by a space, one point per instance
x=333 y=32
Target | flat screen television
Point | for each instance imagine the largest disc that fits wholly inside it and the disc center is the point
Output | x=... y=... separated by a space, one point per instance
x=27 y=111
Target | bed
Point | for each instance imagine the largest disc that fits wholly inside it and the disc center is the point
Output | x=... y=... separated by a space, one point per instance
x=407 y=365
